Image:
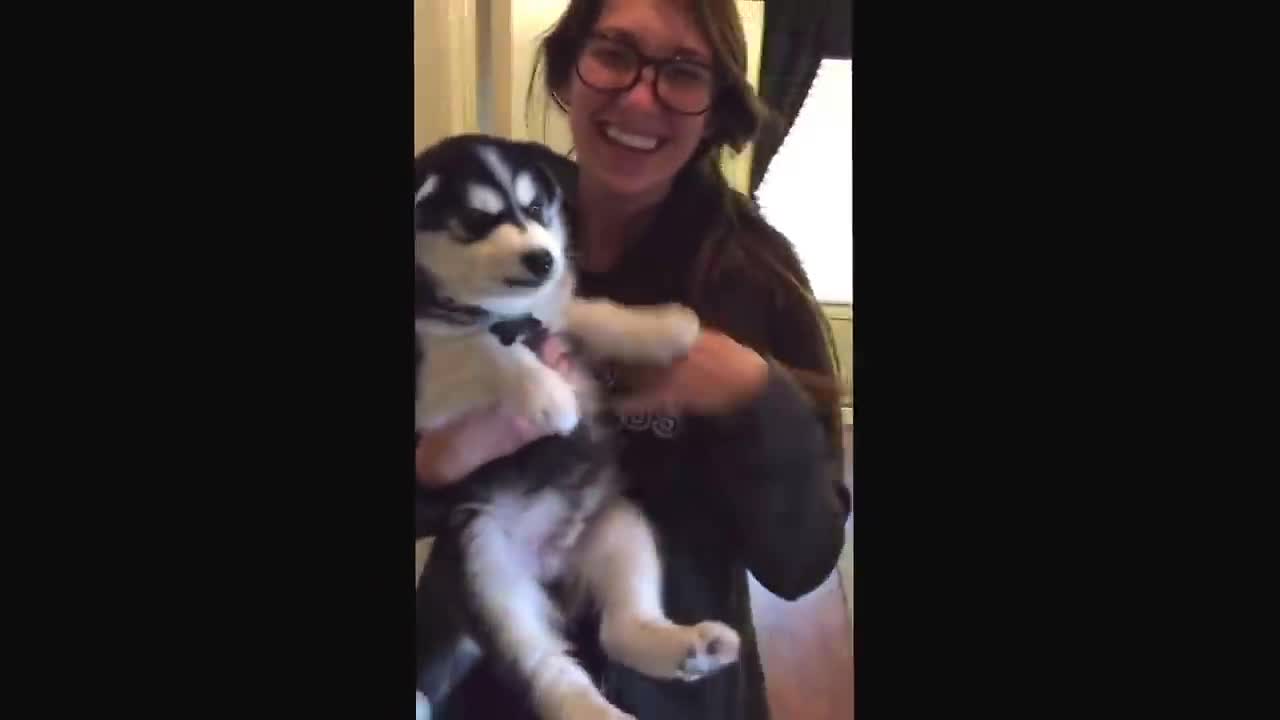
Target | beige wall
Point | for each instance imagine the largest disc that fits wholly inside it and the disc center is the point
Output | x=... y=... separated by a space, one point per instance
x=738 y=167
x=514 y=28
x=444 y=72
x=842 y=331
x=535 y=121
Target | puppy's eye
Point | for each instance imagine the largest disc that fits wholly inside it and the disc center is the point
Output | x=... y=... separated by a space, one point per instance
x=472 y=216
x=474 y=224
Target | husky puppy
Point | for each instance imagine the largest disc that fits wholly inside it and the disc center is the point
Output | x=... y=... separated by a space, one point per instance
x=539 y=534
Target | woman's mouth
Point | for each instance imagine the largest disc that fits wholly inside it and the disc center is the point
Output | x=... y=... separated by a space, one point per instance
x=635 y=142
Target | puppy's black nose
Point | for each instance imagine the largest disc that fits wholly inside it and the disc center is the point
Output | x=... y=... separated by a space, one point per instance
x=538 y=262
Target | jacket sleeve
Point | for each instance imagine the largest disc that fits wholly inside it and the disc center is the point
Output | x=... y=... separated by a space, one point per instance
x=780 y=467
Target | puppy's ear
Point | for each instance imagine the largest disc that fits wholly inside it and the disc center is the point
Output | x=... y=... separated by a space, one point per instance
x=551 y=184
x=423 y=164
x=548 y=181
x=427 y=181
x=430 y=184
x=553 y=170
x=427 y=203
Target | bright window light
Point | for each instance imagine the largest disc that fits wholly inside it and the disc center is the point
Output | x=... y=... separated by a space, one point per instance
x=807 y=191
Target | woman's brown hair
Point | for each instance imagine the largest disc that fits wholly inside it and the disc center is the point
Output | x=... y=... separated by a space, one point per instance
x=737 y=115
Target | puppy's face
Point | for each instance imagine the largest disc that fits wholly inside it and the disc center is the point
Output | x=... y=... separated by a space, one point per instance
x=488 y=224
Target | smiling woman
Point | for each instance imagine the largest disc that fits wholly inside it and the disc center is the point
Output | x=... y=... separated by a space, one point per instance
x=510 y=102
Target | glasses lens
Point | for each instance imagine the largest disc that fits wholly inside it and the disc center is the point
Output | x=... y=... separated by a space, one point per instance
x=686 y=87
x=607 y=65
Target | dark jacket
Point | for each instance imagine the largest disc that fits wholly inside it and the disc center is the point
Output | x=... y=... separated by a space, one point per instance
x=760 y=490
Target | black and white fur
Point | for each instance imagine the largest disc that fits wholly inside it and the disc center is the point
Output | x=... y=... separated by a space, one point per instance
x=538 y=533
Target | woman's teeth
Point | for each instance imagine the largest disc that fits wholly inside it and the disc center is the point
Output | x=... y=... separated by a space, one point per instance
x=636 y=142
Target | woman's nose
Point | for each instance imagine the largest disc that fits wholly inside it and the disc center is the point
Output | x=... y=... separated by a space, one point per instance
x=642 y=95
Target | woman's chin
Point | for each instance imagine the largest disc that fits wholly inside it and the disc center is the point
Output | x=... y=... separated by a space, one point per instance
x=626 y=184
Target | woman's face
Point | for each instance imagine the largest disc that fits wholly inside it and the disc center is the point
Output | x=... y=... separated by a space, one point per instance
x=629 y=142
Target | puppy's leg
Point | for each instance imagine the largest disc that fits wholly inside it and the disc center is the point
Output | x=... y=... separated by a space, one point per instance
x=521 y=620
x=656 y=334
x=535 y=391
x=621 y=570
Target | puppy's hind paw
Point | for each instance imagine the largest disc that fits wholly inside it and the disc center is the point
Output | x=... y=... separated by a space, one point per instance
x=715 y=646
x=665 y=650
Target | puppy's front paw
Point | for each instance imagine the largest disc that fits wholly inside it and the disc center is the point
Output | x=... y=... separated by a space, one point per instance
x=550 y=404
x=674 y=330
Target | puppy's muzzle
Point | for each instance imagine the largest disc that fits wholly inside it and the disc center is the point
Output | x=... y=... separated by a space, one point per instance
x=539 y=263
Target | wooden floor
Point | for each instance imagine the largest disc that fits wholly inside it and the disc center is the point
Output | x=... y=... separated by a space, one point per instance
x=806 y=648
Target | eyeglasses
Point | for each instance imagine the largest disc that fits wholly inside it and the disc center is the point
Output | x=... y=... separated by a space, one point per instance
x=681 y=85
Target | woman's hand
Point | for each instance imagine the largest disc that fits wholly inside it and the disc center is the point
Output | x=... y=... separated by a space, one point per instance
x=718 y=376
x=447 y=455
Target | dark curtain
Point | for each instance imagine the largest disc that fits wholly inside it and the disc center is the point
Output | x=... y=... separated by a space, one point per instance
x=798 y=34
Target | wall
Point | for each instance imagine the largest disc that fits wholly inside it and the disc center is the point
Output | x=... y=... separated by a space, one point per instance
x=511 y=30
x=444 y=69
x=738 y=167
x=842 y=331
x=535 y=120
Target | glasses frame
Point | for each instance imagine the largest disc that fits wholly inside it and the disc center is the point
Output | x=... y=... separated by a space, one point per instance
x=658 y=65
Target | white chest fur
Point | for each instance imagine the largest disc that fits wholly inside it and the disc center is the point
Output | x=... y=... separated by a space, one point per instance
x=472 y=370
x=459 y=373
x=544 y=528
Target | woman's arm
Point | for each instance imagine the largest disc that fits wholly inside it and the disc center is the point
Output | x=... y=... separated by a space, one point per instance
x=769 y=446
x=783 y=483
x=779 y=462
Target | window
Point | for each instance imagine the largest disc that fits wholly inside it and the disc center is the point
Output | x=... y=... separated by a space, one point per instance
x=807 y=191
